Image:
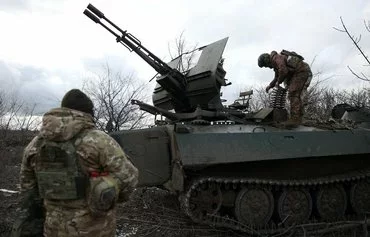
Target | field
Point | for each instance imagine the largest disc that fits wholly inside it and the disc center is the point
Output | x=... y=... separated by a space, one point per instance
x=150 y=212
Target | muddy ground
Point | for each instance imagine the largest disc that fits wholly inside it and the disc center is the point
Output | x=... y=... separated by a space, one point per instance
x=150 y=212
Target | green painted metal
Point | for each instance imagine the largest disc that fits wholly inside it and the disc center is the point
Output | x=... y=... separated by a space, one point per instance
x=149 y=151
x=217 y=148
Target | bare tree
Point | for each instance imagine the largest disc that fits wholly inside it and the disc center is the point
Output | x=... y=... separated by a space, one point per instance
x=356 y=41
x=319 y=101
x=186 y=54
x=112 y=92
x=16 y=113
x=28 y=120
x=2 y=104
x=259 y=99
x=359 y=98
x=14 y=107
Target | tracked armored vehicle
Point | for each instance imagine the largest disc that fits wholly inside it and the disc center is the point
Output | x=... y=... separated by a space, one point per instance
x=238 y=169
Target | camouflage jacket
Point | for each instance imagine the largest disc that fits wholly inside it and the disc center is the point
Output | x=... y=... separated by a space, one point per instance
x=282 y=71
x=95 y=149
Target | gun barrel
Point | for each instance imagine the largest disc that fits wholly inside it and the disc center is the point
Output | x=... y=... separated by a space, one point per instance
x=171 y=80
x=99 y=14
x=91 y=16
x=128 y=40
x=95 y=11
x=97 y=20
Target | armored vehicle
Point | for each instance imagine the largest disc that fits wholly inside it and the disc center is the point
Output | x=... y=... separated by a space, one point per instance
x=239 y=169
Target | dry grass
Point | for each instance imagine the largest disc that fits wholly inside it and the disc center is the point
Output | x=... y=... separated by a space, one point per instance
x=155 y=212
x=150 y=212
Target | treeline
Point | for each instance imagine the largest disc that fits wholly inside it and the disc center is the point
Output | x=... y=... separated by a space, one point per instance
x=16 y=113
x=18 y=120
x=319 y=100
x=111 y=92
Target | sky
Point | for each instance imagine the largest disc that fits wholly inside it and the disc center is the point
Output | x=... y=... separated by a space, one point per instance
x=50 y=47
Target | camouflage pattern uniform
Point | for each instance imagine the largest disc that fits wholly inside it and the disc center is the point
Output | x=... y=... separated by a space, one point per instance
x=297 y=80
x=95 y=150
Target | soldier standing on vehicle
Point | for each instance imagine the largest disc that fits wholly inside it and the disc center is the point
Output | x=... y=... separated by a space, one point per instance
x=73 y=175
x=289 y=68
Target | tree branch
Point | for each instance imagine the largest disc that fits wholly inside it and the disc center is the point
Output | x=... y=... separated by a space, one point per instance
x=363 y=77
x=112 y=93
x=367 y=25
x=354 y=41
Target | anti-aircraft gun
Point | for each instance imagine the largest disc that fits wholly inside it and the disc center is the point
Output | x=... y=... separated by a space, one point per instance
x=194 y=94
x=246 y=175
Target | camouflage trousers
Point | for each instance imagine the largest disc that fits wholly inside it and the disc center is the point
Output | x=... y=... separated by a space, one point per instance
x=297 y=91
x=72 y=218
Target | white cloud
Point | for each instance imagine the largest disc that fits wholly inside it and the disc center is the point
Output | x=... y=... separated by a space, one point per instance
x=53 y=45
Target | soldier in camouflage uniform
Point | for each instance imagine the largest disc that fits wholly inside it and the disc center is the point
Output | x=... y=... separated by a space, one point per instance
x=289 y=68
x=105 y=174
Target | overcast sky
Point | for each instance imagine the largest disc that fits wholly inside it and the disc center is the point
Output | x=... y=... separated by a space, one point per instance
x=49 y=47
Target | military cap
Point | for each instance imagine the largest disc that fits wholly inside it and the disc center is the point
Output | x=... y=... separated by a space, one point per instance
x=77 y=100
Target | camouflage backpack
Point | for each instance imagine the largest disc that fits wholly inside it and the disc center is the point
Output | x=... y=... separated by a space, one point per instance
x=293 y=59
x=58 y=177
x=58 y=171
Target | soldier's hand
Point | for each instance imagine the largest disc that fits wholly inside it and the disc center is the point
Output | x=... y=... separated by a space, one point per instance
x=268 y=88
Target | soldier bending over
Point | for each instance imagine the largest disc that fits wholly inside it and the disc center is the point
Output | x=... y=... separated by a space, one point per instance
x=289 y=68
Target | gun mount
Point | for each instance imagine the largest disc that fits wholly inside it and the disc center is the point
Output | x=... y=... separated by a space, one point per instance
x=199 y=87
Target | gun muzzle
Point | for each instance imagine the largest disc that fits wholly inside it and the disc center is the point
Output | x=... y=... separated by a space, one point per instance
x=91 y=16
x=95 y=11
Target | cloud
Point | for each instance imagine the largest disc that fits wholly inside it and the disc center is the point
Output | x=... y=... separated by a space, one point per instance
x=33 y=85
x=48 y=47
x=6 y=5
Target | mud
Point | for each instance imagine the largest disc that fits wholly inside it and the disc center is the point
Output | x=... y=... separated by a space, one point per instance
x=150 y=212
